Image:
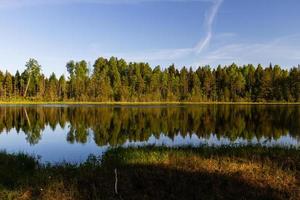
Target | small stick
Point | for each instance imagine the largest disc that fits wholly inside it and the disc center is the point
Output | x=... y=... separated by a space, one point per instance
x=116 y=185
x=116 y=181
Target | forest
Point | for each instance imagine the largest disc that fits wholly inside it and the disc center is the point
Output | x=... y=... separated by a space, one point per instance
x=115 y=80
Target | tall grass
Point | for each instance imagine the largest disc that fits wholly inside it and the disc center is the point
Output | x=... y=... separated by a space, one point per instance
x=251 y=172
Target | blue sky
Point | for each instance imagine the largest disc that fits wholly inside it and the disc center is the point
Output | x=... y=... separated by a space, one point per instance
x=161 y=32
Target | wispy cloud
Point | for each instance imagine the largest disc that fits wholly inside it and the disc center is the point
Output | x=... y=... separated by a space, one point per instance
x=161 y=54
x=170 y=55
x=283 y=50
x=202 y=44
x=178 y=53
x=210 y=18
x=150 y=55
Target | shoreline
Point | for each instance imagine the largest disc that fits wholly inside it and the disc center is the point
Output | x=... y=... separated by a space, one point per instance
x=141 y=103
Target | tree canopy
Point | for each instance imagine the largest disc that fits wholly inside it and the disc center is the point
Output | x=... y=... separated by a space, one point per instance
x=116 y=80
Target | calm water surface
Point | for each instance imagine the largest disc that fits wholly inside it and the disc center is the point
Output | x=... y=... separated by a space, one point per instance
x=71 y=133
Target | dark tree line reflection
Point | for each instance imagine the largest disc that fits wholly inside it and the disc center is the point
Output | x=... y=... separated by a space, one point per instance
x=115 y=125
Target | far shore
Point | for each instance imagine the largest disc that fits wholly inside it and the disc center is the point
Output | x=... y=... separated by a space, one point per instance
x=141 y=103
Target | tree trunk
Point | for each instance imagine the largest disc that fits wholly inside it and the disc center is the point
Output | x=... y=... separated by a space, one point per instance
x=25 y=93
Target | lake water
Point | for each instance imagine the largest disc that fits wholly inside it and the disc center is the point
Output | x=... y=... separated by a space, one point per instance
x=71 y=133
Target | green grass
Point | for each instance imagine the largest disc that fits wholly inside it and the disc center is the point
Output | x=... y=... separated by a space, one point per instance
x=253 y=172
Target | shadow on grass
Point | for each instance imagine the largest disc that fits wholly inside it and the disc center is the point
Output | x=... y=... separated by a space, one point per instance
x=21 y=177
x=153 y=182
x=16 y=170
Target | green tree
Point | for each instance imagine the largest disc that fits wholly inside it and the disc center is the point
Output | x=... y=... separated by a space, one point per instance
x=101 y=88
x=8 y=85
x=71 y=70
x=295 y=83
x=81 y=80
x=266 y=86
x=52 y=88
x=17 y=84
x=184 y=84
x=62 y=88
x=32 y=74
x=115 y=78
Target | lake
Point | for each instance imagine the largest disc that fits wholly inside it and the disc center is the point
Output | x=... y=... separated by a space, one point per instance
x=70 y=133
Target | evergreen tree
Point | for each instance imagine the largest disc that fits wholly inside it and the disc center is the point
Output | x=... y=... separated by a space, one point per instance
x=8 y=85
x=116 y=80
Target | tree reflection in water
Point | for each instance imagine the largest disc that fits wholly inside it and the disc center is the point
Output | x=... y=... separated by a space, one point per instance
x=114 y=125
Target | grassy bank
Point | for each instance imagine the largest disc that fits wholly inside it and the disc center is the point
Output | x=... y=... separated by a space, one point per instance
x=158 y=173
x=141 y=103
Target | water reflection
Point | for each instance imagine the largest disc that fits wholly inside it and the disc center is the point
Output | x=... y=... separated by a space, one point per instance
x=112 y=125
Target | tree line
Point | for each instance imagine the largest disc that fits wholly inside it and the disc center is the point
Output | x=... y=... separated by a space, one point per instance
x=116 y=80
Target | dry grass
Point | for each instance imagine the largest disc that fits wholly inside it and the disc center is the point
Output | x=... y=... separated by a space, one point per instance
x=158 y=173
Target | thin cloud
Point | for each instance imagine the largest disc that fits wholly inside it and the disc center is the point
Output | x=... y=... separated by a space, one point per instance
x=179 y=53
x=210 y=18
x=202 y=44
x=283 y=50
x=21 y=3
x=152 y=55
x=148 y=55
